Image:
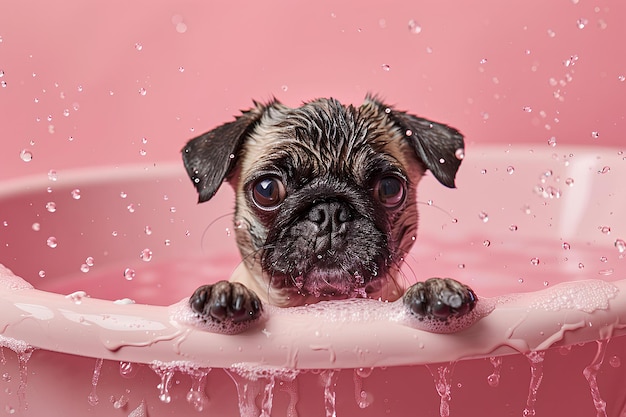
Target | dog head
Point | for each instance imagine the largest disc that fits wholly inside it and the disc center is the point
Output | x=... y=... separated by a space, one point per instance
x=325 y=193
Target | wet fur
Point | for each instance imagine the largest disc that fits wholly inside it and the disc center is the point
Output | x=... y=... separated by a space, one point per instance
x=324 y=151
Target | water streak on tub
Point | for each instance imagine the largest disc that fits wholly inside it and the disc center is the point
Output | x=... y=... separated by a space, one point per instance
x=535 y=359
x=591 y=372
x=166 y=373
x=363 y=398
x=247 y=391
x=291 y=388
x=93 y=395
x=442 y=375
x=494 y=378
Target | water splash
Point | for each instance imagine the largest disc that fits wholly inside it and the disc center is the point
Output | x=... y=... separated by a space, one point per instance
x=591 y=372
x=93 y=395
x=363 y=398
x=536 y=376
x=443 y=385
x=329 y=379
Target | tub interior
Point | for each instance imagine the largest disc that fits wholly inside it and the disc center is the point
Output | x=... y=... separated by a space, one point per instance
x=521 y=221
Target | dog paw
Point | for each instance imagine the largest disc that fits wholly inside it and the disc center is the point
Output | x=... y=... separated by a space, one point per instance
x=230 y=305
x=439 y=299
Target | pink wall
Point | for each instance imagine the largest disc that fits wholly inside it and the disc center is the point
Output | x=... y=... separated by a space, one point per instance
x=473 y=65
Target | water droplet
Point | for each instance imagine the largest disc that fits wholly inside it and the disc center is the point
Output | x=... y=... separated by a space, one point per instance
x=414 y=27
x=615 y=362
x=76 y=194
x=123 y=194
x=486 y=243
x=26 y=155
x=84 y=268
x=581 y=265
x=52 y=242
x=129 y=274
x=546 y=283
x=483 y=61
x=595 y=134
x=513 y=227
x=52 y=175
x=138 y=46
x=606 y=272
x=127 y=370
x=459 y=153
x=605 y=229
x=148 y=230
x=604 y=170
x=284 y=87
x=483 y=216
x=89 y=261
x=131 y=208
x=42 y=274
x=172 y=209
x=36 y=227
x=552 y=141
x=566 y=246
x=143 y=91
x=461 y=266
x=569 y=182
x=181 y=27
x=581 y=23
x=146 y=255
x=168 y=242
x=3 y=84
x=386 y=67
x=114 y=233
x=535 y=261
x=527 y=109
x=181 y=69
x=66 y=112
x=620 y=244
x=142 y=152
x=493 y=380
x=510 y=170
x=622 y=78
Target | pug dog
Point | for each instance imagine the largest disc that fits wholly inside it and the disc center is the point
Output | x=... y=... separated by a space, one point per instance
x=325 y=206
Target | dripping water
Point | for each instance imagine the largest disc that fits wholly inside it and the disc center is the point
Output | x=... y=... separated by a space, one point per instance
x=247 y=391
x=536 y=375
x=329 y=379
x=196 y=395
x=93 y=395
x=166 y=374
x=268 y=397
x=591 y=372
x=494 y=379
x=291 y=388
x=443 y=385
x=363 y=398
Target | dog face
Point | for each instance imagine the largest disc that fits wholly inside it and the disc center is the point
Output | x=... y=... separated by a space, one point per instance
x=325 y=193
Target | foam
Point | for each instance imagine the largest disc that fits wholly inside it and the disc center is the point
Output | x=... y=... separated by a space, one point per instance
x=10 y=281
x=254 y=372
x=587 y=296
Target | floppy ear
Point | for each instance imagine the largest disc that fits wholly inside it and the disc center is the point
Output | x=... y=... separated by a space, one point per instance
x=438 y=146
x=211 y=157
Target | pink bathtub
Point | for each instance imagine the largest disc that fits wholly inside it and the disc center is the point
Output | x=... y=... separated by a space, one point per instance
x=101 y=240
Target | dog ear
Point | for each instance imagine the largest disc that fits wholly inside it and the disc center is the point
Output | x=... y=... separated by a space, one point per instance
x=439 y=147
x=211 y=157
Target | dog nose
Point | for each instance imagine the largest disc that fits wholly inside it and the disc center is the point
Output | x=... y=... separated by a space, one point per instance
x=330 y=216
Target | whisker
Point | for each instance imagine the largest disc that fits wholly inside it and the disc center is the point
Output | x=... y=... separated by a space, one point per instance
x=206 y=229
x=430 y=204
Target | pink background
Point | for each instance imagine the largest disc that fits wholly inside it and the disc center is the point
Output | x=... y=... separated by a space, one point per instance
x=501 y=71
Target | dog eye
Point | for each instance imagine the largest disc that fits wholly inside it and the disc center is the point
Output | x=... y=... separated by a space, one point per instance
x=390 y=191
x=268 y=192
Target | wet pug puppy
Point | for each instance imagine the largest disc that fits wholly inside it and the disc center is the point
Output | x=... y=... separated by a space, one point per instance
x=325 y=205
